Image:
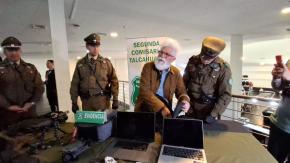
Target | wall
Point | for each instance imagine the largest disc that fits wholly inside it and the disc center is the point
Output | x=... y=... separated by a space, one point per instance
x=121 y=67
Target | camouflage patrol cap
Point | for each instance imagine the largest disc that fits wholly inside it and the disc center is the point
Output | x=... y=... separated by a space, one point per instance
x=11 y=42
x=214 y=43
x=93 y=39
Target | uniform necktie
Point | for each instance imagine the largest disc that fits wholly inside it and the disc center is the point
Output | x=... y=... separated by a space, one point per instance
x=93 y=61
x=15 y=66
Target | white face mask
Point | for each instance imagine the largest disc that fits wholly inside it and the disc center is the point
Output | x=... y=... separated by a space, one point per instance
x=162 y=64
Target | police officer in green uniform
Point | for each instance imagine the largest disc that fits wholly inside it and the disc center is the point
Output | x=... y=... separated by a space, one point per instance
x=20 y=85
x=94 y=79
x=207 y=78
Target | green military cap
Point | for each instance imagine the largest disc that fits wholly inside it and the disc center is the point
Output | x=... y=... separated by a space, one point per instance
x=214 y=43
x=11 y=42
x=93 y=39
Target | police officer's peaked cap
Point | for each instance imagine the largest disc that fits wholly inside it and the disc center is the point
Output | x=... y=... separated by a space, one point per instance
x=214 y=43
x=93 y=39
x=11 y=42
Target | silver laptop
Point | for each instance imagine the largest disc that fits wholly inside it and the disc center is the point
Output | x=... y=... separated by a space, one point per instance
x=182 y=141
x=134 y=136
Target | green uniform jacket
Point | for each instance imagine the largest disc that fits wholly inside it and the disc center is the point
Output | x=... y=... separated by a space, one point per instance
x=84 y=82
x=213 y=80
x=18 y=86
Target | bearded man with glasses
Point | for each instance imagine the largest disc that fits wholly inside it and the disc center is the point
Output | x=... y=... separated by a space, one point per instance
x=159 y=82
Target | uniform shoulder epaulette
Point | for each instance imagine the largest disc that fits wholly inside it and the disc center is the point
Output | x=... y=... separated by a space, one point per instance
x=29 y=65
x=106 y=60
x=226 y=64
x=223 y=63
x=2 y=66
x=81 y=62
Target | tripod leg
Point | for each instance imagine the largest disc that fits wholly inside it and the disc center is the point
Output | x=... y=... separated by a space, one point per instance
x=42 y=145
x=56 y=128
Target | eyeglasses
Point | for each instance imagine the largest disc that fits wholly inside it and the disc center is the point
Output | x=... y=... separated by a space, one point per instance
x=160 y=52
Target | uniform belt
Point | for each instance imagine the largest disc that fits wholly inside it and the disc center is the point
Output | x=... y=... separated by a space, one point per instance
x=203 y=99
x=87 y=95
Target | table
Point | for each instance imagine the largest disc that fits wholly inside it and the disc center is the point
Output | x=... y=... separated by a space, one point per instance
x=225 y=142
x=230 y=142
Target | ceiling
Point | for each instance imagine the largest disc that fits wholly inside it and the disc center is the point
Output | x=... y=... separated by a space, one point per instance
x=186 y=21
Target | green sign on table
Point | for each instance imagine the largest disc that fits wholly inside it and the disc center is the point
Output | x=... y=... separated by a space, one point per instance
x=91 y=117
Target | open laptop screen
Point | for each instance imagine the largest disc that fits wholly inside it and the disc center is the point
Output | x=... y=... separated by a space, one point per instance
x=136 y=126
x=183 y=132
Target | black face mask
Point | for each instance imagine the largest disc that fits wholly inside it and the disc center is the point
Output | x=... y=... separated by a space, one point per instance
x=208 y=53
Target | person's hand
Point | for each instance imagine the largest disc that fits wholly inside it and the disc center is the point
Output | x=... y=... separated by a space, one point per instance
x=26 y=107
x=185 y=106
x=277 y=71
x=165 y=112
x=115 y=104
x=75 y=107
x=14 y=108
x=286 y=73
x=210 y=119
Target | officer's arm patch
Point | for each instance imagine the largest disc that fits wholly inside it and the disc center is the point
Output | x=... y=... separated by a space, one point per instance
x=226 y=65
x=230 y=81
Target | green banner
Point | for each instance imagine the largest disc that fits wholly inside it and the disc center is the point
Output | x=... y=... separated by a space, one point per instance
x=92 y=117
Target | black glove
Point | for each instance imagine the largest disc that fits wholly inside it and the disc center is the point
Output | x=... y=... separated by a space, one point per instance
x=115 y=104
x=210 y=119
x=75 y=108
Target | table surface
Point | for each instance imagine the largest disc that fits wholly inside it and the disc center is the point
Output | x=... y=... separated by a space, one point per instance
x=230 y=142
x=225 y=142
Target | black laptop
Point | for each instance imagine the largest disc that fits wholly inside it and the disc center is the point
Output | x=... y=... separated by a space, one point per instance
x=135 y=131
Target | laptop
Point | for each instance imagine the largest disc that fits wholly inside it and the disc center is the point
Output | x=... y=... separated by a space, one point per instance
x=182 y=141
x=135 y=132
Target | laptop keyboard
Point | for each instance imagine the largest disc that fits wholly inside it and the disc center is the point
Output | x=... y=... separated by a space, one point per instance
x=139 y=146
x=183 y=153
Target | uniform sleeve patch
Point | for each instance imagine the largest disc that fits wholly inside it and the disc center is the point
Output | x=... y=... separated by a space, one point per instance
x=230 y=81
x=226 y=65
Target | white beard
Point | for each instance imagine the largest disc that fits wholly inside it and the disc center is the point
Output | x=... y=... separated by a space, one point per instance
x=162 y=64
